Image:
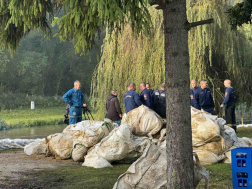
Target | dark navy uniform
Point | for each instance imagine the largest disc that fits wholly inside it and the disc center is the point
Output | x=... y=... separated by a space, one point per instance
x=131 y=100
x=145 y=98
x=159 y=102
x=229 y=102
x=76 y=99
x=192 y=91
x=204 y=100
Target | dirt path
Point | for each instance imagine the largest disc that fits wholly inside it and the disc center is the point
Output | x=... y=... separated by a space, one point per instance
x=16 y=166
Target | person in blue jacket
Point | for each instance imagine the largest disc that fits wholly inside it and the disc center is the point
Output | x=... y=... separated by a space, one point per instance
x=229 y=103
x=192 y=91
x=159 y=101
x=145 y=95
x=204 y=98
x=75 y=99
x=131 y=98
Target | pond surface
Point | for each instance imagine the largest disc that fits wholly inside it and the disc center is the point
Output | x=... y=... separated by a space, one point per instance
x=32 y=132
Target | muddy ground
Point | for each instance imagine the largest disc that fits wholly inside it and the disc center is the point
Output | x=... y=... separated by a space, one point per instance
x=18 y=170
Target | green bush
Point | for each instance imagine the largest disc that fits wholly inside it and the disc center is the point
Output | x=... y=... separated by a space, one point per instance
x=12 y=101
x=4 y=125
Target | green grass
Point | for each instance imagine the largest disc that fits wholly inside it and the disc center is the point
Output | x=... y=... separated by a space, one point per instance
x=76 y=176
x=37 y=117
x=220 y=176
x=244 y=132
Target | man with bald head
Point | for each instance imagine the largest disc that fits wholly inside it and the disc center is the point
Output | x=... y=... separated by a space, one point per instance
x=192 y=91
x=131 y=98
x=204 y=98
x=229 y=103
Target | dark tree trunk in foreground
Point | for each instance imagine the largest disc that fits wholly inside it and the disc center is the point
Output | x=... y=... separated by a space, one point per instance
x=179 y=135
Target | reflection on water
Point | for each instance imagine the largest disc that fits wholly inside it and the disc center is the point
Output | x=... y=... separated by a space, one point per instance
x=32 y=132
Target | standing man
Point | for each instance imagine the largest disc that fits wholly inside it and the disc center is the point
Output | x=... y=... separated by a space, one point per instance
x=145 y=96
x=203 y=98
x=149 y=88
x=229 y=103
x=131 y=98
x=75 y=99
x=159 y=101
x=192 y=91
x=113 y=108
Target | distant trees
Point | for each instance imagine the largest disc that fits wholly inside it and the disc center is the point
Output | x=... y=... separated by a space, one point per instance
x=46 y=67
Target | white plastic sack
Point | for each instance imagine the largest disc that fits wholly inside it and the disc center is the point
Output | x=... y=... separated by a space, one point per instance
x=7 y=143
x=229 y=136
x=143 y=121
x=78 y=151
x=37 y=147
x=116 y=146
x=89 y=132
x=208 y=158
x=204 y=127
x=59 y=145
x=149 y=171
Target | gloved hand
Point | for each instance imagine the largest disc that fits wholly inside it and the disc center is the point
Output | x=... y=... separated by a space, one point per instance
x=221 y=105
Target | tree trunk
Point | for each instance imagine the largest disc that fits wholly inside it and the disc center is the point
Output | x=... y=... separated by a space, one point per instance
x=179 y=135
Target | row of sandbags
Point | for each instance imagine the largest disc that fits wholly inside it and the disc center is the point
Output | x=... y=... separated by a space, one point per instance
x=212 y=139
x=7 y=143
x=73 y=142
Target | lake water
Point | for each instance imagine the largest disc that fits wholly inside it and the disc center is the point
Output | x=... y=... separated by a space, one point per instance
x=32 y=132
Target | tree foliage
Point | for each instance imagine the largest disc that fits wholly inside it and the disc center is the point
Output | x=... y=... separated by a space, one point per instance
x=216 y=53
x=80 y=23
x=46 y=67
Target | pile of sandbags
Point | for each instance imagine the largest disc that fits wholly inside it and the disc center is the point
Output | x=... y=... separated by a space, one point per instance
x=150 y=171
x=143 y=121
x=73 y=142
x=206 y=137
x=116 y=146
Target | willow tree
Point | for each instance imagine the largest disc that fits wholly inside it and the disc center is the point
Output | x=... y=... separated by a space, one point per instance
x=80 y=24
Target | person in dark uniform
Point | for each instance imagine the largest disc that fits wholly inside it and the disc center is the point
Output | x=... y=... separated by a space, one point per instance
x=149 y=88
x=204 y=98
x=131 y=98
x=229 y=103
x=75 y=99
x=192 y=91
x=113 y=108
x=145 y=96
x=159 y=101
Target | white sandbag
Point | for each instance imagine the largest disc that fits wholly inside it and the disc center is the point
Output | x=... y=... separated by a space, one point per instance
x=215 y=145
x=7 y=143
x=229 y=136
x=248 y=141
x=37 y=147
x=143 y=121
x=149 y=171
x=59 y=145
x=208 y=158
x=78 y=151
x=140 y=143
x=116 y=146
x=240 y=143
x=89 y=132
x=228 y=158
x=204 y=127
x=96 y=161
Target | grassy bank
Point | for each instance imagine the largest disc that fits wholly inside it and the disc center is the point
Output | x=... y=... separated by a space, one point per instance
x=28 y=117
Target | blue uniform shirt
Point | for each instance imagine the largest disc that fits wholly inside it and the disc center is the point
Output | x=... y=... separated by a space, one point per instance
x=203 y=98
x=74 y=98
x=145 y=98
x=229 y=96
x=131 y=100
x=192 y=91
x=159 y=102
